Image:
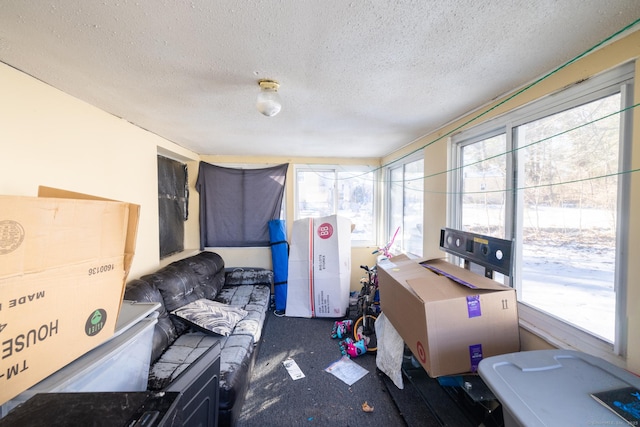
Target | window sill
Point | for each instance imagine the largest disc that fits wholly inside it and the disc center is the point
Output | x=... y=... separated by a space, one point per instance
x=564 y=336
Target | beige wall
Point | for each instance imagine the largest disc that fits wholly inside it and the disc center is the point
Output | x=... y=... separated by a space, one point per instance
x=50 y=138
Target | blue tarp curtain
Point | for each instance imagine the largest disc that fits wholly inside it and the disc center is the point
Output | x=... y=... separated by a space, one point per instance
x=280 y=260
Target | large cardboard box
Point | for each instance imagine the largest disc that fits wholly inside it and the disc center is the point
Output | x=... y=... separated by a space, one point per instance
x=449 y=317
x=63 y=267
x=319 y=267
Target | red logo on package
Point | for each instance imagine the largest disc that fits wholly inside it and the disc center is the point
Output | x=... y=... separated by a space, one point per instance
x=325 y=230
x=421 y=354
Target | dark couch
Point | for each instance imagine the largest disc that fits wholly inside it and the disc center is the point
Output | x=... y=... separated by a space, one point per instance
x=183 y=357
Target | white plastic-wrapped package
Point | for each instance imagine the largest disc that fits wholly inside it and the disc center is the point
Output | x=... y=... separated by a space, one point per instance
x=390 y=350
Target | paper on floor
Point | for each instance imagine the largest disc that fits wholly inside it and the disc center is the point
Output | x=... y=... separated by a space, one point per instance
x=347 y=370
x=294 y=370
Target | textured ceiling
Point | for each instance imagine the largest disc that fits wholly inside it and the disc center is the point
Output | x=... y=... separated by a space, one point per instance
x=358 y=78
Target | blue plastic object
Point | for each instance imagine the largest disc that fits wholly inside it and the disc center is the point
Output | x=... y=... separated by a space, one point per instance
x=280 y=260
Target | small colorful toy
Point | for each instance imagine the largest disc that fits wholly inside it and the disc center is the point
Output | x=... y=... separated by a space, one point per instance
x=341 y=328
x=351 y=348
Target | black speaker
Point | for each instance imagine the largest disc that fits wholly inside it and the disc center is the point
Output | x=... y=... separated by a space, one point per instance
x=490 y=252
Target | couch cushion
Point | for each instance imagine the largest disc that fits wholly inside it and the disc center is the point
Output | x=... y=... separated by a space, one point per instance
x=184 y=351
x=209 y=270
x=211 y=316
x=164 y=333
x=235 y=362
x=248 y=276
x=252 y=298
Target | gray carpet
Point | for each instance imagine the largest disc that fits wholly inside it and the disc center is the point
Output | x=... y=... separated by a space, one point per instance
x=274 y=399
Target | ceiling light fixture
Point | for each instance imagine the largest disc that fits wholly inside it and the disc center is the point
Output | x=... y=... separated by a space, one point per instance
x=268 y=102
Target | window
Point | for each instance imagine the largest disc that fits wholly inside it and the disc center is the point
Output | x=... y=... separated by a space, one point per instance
x=405 y=200
x=568 y=213
x=551 y=177
x=347 y=191
x=483 y=196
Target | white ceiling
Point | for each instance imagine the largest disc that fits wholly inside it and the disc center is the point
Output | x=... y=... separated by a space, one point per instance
x=358 y=78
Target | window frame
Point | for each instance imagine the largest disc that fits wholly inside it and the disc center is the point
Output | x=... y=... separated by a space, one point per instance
x=555 y=331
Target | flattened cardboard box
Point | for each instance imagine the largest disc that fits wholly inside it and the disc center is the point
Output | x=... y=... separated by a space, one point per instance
x=63 y=267
x=449 y=317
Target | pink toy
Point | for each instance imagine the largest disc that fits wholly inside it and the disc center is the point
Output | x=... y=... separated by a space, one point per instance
x=352 y=348
x=341 y=328
x=385 y=249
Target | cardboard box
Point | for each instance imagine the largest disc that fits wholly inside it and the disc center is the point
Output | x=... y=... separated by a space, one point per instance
x=132 y=221
x=449 y=317
x=319 y=267
x=63 y=266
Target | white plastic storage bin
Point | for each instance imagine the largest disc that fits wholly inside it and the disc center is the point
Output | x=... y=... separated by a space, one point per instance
x=120 y=364
x=553 y=387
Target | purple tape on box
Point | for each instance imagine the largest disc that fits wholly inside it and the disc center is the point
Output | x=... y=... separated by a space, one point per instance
x=475 y=356
x=473 y=306
x=449 y=276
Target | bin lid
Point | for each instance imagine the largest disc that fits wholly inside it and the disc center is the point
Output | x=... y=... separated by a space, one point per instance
x=553 y=387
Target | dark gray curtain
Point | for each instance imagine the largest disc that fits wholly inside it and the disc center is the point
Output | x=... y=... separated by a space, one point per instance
x=173 y=201
x=236 y=205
